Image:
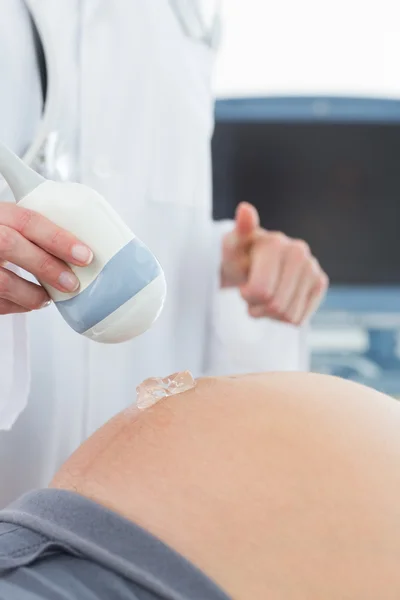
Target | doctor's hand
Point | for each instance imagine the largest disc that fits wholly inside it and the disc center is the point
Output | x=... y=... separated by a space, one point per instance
x=277 y=276
x=37 y=245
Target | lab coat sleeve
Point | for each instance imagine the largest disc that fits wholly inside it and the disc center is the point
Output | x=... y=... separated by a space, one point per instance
x=14 y=368
x=238 y=343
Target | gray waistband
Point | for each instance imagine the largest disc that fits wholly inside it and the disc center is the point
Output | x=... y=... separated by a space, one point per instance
x=67 y=521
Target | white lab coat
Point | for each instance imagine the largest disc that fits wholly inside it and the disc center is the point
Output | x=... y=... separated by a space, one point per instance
x=129 y=112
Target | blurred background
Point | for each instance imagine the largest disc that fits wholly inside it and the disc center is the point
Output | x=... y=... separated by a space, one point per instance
x=308 y=130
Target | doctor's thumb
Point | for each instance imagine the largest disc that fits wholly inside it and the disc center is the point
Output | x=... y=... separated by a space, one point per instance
x=247 y=221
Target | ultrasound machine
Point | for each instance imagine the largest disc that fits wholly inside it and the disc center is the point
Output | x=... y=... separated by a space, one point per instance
x=327 y=170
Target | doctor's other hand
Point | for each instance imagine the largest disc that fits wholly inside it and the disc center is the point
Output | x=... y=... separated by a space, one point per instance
x=37 y=245
x=278 y=276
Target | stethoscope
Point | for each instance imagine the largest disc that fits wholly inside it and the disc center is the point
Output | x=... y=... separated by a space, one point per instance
x=200 y=19
x=43 y=151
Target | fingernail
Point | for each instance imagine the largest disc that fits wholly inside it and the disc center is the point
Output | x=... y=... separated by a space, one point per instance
x=68 y=281
x=82 y=254
x=45 y=303
x=257 y=311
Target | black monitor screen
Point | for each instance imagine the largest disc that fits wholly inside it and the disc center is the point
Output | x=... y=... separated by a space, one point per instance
x=335 y=185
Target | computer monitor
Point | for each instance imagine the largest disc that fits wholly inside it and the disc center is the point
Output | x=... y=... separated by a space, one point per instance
x=326 y=170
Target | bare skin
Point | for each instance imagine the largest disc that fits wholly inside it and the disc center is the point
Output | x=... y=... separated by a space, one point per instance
x=278 y=276
x=282 y=486
x=32 y=242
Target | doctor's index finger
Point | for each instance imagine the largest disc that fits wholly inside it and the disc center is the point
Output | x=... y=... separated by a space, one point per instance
x=46 y=234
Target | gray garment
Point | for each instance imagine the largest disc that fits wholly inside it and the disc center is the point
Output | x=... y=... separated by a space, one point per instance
x=56 y=545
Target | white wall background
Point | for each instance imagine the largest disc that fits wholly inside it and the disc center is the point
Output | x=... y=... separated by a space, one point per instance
x=349 y=47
